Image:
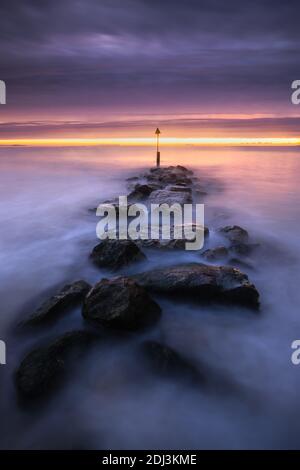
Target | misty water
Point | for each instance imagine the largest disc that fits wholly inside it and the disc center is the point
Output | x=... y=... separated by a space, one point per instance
x=109 y=401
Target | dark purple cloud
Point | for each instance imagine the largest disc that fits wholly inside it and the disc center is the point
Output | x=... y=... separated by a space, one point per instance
x=142 y=54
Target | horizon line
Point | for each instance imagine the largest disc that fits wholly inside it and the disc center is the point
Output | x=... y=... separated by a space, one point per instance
x=151 y=141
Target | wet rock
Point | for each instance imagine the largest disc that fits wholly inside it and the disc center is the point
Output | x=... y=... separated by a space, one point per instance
x=202 y=282
x=42 y=369
x=69 y=296
x=214 y=254
x=178 y=169
x=114 y=254
x=200 y=192
x=165 y=196
x=235 y=233
x=240 y=263
x=179 y=188
x=132 y=178
x=172 y=244
x=141 y=192
x=163 y=244
x=170 y=175
x=167 y=363
x=120 y=303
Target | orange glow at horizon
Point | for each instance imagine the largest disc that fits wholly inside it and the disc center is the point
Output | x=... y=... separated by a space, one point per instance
x=147 y=141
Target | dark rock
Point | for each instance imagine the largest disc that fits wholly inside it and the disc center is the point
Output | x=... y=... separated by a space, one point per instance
x=201 y=192
x=172 y=244
x=240 y=263
x=235 y=234
x=165 y=196
x=170 y=175
x=163 y=244
x=169 y=169
x=43 y=367
x=120 y=303
x=141 y=192
x=167 y=363
x=69 y=296
x=179 y=188
x=114 y=254
x=202 y=282
x=214 y=254
x=132 y=178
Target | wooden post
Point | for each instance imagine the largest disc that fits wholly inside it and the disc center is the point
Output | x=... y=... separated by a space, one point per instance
x=157 y=159
x=157 y=132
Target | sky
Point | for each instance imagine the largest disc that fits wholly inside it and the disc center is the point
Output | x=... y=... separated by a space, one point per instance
x=99 y=66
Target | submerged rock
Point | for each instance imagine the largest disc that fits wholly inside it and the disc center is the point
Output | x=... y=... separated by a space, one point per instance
x=214 y=254
x=68 y=296
x=240 y=263
x=202 y=282
x=42 y=368
x=132 y=178
x=120 y=303
x=167 y=363
x=235 y=233
x=115 y=254
x=243 y=249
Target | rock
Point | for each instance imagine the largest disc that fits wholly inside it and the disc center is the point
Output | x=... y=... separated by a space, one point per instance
x=69 y=296
x=199 y=192
x=170 y=175
x=172 y=244
x=198 y=226
x=120 y=303
x=240 y=263
x=214 y=254
x=171 y=169
x=179 y=188
x=132 y=178
x=202 y=282
x=141 y=192
x=167 y=363
x=114 y=254
x=235 y=234
x=165 y=196
x=43 y=367
x=243 y=249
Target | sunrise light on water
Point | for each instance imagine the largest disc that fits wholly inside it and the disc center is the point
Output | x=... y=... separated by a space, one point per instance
x=148 y=141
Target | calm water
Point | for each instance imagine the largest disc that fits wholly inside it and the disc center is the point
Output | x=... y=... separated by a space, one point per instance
x=47 y=232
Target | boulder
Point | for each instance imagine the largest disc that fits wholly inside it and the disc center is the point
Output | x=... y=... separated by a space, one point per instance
x=179 y=188
x=114 y=254
x=171 y=169
x=240 y=263
x=214 y=254
x=172 y=244
x=170 y=175
x=120 y=303
x=167 y=363
x=141 y=192
x=235 y=233
x=132 y=178
x=202 y=282
x=69 y=296
x=165 y=196
x=41 y=369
